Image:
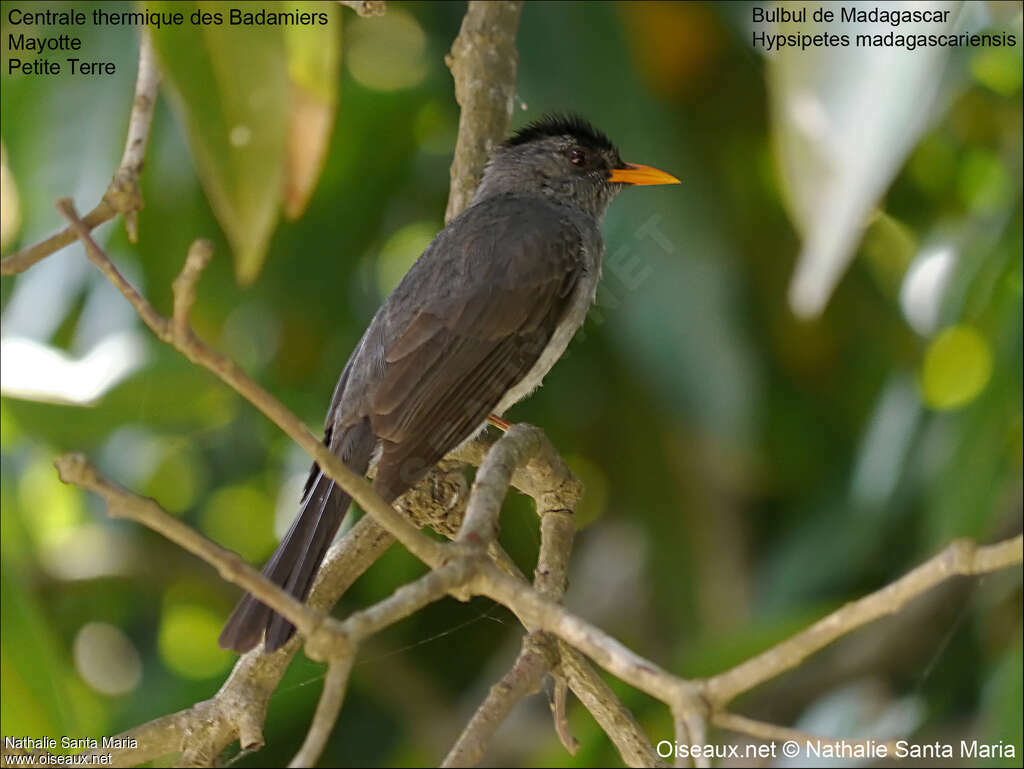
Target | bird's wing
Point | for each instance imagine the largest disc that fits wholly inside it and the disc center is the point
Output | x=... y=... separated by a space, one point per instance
x=488 y=295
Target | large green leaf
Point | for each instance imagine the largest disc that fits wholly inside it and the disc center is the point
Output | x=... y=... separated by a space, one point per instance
x=313 y=52
x=229 y=84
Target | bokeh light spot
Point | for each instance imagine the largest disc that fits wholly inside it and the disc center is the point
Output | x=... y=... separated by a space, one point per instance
x=10 y=207
x=595 y=495
x=932 y=165
x=52 y=508
x=10 y=433
x=240 y=518
x=188 y=641
x=106 y=659
x=176 y=479
x=387 y=53
x=999 y=69
x=984 y=183
x=400 y=251
x=957 y=366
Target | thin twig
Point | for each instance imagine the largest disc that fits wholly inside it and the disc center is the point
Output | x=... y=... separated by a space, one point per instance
x=962 y=557
x=409 y=598
x=184 y=286
x=558 y=713
x=76 y=469
x=327 y=711
x=197 y=351
x=535 y=659
x=122 y=195
x=98 y=257
x=614 y=718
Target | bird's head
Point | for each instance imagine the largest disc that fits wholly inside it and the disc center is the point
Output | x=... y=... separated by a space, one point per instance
x=565 y=158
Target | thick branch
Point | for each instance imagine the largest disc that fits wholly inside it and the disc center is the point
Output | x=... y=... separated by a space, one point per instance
x=122 y=196
x=539 y=653
x=483 y=61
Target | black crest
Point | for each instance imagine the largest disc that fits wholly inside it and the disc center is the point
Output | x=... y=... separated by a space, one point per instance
x=555 y=124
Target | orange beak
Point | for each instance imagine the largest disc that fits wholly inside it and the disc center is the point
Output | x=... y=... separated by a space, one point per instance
x=634 y=173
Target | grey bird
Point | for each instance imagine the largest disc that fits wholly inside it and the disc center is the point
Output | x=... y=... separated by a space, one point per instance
x=471 y=329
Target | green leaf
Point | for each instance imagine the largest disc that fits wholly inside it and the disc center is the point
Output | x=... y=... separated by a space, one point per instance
x=229 y=85
x=314 y=52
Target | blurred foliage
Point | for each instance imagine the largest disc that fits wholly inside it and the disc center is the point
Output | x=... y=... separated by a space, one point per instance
x=746 y=471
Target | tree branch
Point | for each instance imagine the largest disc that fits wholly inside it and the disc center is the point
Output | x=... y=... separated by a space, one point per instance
x=197 y=351
x=326 y=715
x=533 y=663
x=483 y=61
x=122 y=196
x=366 y=7
x=76 y=469
x=962 y=557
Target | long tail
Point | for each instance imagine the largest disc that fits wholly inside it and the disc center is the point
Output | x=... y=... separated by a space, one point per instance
x=297 y=559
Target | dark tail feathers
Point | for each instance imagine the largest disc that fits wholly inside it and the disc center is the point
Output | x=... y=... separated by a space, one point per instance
x=293 y=566
x=297 y=559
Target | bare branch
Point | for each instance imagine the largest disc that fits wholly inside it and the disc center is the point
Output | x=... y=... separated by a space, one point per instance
x=539 y=653
x=98 y=256
x=124 y=190
x=26 y=257
x=410 y=598
x=534 y=661
x=122 y=196
x=558 y=712
x=199 y=255
x=76 y=469
x=197 y=351
x=515 y=448
x=326 y=715
x=691 y=729
x=604 y=705
x=483 y=61
x=962 y=557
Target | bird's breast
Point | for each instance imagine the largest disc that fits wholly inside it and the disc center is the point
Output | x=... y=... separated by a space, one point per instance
x=575 y=313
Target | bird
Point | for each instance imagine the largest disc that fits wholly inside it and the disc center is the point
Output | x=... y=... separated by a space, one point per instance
x=471 y=329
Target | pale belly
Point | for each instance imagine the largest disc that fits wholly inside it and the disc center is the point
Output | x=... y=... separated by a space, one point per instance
x=582 y=298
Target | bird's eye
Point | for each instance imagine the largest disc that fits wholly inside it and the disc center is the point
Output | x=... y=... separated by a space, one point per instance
x=578 y=157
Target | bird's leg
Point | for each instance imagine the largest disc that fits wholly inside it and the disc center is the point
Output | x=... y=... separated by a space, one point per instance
x=500 y=423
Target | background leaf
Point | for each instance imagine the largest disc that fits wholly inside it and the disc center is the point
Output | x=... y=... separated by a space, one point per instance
x=235 y=106
x=314 y=55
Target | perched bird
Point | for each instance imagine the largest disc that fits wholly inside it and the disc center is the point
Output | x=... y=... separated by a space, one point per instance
x=471 y=329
